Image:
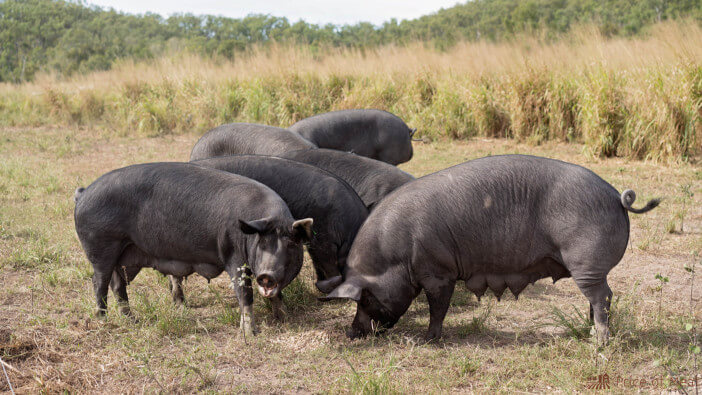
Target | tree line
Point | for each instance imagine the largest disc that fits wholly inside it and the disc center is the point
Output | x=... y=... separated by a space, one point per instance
x=69 y=37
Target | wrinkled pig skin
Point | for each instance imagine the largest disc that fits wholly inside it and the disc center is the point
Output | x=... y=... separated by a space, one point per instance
x=375 y=134
x=247 y=138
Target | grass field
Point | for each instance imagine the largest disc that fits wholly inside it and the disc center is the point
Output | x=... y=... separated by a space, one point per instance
x=54 y=343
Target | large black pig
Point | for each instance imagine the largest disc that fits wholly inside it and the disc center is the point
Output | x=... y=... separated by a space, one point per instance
x=496 y=222
x=179 y=219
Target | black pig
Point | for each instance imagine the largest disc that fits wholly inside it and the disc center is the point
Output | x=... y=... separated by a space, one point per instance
x=179 y=219
x=496 y=222
x=371 y=133
x=247 y=138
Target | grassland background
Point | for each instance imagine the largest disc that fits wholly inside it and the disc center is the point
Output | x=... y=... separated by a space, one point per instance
x=634 y=97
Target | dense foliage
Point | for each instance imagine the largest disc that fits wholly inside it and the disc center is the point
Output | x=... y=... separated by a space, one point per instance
x=69 y=37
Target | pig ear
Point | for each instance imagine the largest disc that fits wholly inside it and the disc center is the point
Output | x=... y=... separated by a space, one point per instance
x=251 y=227
x=344 y=291
x=302 y=228
x=329 y=284
x=412 y=132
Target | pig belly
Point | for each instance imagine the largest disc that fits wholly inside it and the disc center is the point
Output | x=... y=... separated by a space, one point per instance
x=184 y=269
x=479 y=281
x=207 y=270
x=175 y=268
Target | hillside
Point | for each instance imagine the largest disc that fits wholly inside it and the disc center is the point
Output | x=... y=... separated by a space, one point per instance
x=67 y=37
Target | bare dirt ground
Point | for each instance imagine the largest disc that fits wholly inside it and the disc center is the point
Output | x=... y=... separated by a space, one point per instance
x=52 y=342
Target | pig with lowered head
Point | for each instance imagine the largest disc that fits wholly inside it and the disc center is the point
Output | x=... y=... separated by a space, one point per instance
x=496 y=222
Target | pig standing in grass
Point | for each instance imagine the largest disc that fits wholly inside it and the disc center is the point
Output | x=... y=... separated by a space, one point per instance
x=497 y=222
x=371 y=179
x=180 y=219
x=371 y=133
x=247 y=138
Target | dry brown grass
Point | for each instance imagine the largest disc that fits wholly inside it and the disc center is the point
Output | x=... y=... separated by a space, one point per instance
x=667 y=45
x=638 y=98
x=48 y=333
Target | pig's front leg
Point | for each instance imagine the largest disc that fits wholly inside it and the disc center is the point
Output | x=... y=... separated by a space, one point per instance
x=277 y=307
x=241 y=282
x=438 y=291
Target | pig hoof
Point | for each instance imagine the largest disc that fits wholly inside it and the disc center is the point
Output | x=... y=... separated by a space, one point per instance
x=124 y=310
x=601 y=337
x=248 y=326
x=432 y=335
x=178 y=301
x=250 y=331
x=100 y=313
x=279 y=314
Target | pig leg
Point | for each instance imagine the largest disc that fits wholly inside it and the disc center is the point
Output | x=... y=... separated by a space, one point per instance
x=277 y=306
x=119 y=289
x=600 y=296
x=438 y=291
x=126 y=270
x=241 y=282
x=122 y=276
x=104 y=261
x=175 y=284
x=101 y=282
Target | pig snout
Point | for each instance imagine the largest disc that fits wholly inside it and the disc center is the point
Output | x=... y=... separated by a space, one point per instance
x=362 y=325
x=268 y=286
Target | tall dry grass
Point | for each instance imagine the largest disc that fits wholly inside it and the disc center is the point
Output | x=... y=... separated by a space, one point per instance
x=640 y=98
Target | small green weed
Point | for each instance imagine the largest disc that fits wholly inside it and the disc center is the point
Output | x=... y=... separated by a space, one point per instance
x=376 y=380
x=478 y=323
x=576 y=324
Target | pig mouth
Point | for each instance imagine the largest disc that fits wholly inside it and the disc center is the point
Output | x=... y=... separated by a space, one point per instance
x=268 y=285
x=268 y=289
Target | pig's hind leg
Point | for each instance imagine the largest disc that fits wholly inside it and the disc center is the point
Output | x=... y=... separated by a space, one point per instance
x=590 y=275
x=599 y=295
x=122 y=276
x=175 y=284
x=128 y=266
x=590 y=255
x=104 y=259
